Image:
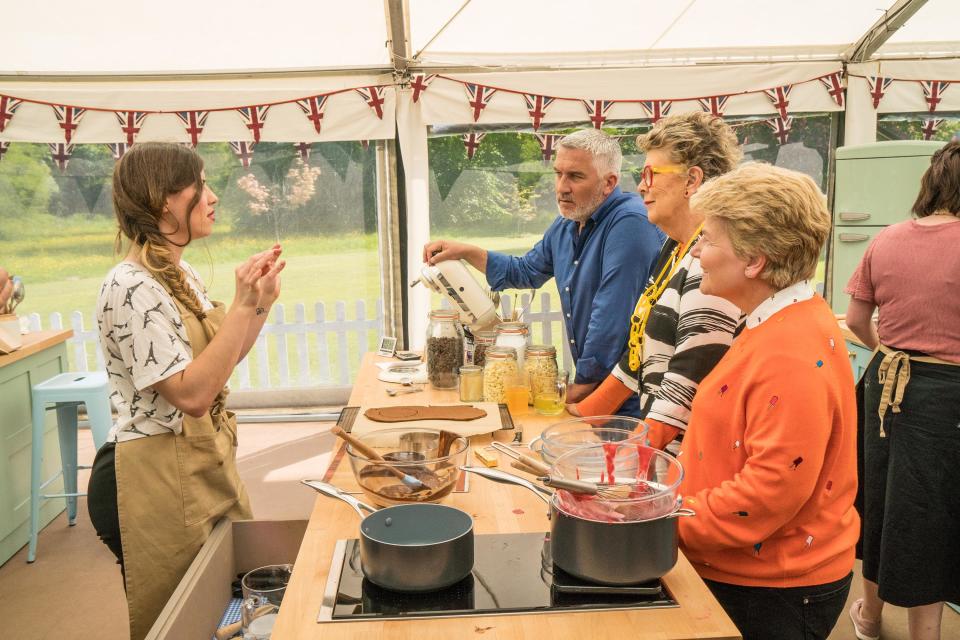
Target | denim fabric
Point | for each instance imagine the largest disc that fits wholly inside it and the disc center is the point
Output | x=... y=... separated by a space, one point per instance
x=795 y=613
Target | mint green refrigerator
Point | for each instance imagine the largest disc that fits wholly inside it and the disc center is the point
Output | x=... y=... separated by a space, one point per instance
x=876 y=185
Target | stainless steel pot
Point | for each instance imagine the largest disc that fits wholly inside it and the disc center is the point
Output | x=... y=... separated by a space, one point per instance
x=609 y=553
x=410 y=547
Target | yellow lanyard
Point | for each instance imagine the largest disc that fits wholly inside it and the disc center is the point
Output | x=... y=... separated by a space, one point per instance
x=650 y=296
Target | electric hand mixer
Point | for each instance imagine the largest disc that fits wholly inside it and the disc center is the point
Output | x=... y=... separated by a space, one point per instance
x=453 y=280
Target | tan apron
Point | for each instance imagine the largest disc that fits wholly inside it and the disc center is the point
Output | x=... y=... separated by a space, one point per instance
x=894 y=374
x=171 y=491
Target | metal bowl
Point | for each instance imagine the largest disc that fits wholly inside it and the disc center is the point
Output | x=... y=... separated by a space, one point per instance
x=412 y=453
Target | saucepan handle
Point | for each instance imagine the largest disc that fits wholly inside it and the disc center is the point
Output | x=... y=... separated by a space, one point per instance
x=508 y=478
x=331 y=491
x=682 y=513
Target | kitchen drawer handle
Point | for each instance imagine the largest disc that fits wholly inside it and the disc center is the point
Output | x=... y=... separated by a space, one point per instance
x=851 y=354
x=853 y=237
x=851 y=216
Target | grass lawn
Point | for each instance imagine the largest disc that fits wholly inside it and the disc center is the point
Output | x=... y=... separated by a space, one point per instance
x=63 y=262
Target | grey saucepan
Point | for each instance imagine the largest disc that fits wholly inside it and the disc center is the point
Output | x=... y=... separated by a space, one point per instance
x=410 y=547
x=608 y=553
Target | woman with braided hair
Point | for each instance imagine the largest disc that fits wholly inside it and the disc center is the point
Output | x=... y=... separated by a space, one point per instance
x=168 y=471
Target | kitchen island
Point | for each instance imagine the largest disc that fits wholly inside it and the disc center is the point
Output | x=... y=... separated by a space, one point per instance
x=495 y=508
x=42 y=356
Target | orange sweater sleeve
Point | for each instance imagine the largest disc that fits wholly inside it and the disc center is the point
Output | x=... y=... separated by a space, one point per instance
x=784 y=447
x=605 y=399
x=660 y=434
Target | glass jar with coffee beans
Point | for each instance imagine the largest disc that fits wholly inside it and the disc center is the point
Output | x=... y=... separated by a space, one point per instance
x=444 y=348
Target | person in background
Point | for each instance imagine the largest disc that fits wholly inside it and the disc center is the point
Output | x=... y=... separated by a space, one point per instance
x=6 y=287
x=911 y=513
x=769 y=455
x=600 y=250
x=677 y=332
x=168 y=471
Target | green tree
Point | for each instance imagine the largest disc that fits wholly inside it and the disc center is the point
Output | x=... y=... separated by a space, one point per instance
x=26 y=185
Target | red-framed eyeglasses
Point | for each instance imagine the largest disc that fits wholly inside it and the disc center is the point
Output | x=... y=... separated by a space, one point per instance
x=646 y=175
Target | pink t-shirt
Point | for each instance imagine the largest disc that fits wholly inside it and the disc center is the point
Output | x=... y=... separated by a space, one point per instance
x=912 y=273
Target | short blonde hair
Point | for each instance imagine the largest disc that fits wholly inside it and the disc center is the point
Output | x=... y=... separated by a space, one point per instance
x=773 y=212
x=695 y=139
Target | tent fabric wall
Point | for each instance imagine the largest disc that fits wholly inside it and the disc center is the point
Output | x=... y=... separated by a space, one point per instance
x=346 y=114
x=445 y=100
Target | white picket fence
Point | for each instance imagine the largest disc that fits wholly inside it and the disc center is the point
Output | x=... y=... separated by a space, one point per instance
x=300 y=352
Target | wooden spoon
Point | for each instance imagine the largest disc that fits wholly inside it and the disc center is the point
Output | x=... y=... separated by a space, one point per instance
x=409 y=480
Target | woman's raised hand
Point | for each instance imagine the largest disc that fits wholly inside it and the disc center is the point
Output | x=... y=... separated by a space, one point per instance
x=258 y=273
x=270 y=278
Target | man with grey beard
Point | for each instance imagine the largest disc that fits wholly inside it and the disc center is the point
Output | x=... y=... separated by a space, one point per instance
x=600 y=249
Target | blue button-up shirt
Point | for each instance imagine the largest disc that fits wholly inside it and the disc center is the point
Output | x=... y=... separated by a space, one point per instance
x=600 y=270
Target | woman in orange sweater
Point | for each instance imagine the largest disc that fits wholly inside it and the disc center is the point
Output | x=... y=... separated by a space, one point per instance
x=770 y=451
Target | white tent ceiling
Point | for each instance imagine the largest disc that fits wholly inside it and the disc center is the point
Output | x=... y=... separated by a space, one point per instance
x=186 y=36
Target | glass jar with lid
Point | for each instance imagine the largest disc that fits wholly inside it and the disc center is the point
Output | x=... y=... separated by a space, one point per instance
x=482 y=340
x=499 y=370
x=516 y=335
x=444 y=348
x=471 y=383
x=539 y=367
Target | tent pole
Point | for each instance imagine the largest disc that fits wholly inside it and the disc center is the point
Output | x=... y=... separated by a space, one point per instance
x=893 y=18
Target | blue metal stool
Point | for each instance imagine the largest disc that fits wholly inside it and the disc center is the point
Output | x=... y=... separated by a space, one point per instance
x=65 y=392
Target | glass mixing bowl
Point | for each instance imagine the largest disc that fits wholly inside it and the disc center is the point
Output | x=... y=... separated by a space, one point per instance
x=412 y=469
x=563 y=437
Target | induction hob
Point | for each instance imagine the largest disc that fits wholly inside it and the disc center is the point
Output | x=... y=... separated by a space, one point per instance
x=512 y=574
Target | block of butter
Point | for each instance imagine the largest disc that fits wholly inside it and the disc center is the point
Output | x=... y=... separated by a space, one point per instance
x=488 y=458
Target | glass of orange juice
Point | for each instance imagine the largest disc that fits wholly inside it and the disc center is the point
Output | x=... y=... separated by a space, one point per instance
x=517 y=394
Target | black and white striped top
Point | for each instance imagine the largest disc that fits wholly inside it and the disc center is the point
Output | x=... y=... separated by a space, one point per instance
x=686 y=335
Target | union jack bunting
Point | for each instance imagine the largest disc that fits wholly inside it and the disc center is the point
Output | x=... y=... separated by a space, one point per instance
x=130 y=123
x=537 y=107
x=3 y=148
x=313 y=107
x=478 y=97
x=656 y=109
x=834 y=86
x=930 y=127
x=878 y=86
x=61 y=154
x=779 y=97
x=597 y=111
x=303 y=150
x=8 y=107
x=472 y=142
x=420 y=83
x=253 y=118
x=194 y=121
x=781 y=128
x=933 y=92
x=69 y=119
x=244 y=151
x=548 y=145
x=373 y=96
x=714 y=105
x=118 y=149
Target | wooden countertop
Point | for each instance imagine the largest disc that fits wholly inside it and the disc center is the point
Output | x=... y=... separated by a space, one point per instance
x=496 y=509
x=34 y=342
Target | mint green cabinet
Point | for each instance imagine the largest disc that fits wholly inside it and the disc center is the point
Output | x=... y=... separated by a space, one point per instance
x=876 y=185
x=16 y=380
x=860 y=358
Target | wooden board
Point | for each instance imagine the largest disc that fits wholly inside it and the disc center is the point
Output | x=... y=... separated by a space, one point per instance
x=498 y=417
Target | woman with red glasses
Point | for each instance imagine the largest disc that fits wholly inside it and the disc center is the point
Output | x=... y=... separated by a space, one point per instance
x=677 y=333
